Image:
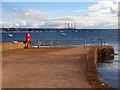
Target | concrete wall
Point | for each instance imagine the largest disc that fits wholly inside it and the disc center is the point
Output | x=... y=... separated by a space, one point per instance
x=92 y=57
x=12 y=45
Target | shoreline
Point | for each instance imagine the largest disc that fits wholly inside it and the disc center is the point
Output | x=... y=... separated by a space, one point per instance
x=93 y=79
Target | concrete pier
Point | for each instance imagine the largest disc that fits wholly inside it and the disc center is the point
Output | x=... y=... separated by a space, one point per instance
x=52 y=67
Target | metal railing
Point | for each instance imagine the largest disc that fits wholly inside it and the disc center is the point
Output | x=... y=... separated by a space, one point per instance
x=51 y=43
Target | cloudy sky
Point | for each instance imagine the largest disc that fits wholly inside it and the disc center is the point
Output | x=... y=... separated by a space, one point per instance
x=100 y=14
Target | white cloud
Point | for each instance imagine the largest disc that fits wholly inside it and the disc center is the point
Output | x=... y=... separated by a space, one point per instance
x=105 y=6
x=83 y=22
x=102 y=4
x=100 y=15
x=6 y=24
x=21 y=23
x=29 y=14
x=89 y=21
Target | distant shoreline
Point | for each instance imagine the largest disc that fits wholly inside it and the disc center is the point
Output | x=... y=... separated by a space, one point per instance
x=6 y=30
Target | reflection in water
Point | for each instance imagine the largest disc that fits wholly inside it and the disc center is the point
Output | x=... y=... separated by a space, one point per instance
x=108 y=70
x=106 y=59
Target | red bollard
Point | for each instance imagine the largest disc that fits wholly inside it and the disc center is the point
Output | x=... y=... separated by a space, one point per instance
x=27 y=40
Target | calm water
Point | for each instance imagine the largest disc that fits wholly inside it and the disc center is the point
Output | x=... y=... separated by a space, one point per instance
x=108 y=71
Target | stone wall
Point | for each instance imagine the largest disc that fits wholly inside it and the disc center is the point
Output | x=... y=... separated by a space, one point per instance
x=105 y=53
x=97 y=53
x=12 y=45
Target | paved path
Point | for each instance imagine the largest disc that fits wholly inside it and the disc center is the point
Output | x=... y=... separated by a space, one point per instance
x=45 y=68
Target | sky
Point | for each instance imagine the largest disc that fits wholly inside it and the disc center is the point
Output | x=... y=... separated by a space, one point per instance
x=86 y=15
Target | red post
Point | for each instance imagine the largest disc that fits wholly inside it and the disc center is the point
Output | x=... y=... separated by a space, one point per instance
x=27 y=40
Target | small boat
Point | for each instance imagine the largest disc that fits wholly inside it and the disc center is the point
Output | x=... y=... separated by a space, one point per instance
x=63 y=34
x=10 y=35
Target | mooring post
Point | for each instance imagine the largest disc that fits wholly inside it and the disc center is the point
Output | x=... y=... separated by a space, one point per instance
x=84 y=44
x=104 y=43
x=51 y=43
x=101 y=42
x=98 y=42
x=39 y=43
x=58 y=42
